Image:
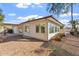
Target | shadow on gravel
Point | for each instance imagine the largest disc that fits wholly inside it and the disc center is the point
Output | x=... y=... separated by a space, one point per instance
x=60 y=52
x=19 y=38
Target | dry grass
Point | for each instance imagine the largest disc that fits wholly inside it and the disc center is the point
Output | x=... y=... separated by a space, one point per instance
x=58 y=36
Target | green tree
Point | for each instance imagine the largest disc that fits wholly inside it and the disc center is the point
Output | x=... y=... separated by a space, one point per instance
x=1 y=16
x=58 y=8
x=73 y=23
x=1 y=19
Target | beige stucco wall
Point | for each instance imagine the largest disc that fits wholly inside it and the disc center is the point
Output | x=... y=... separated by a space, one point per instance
x=32 y=31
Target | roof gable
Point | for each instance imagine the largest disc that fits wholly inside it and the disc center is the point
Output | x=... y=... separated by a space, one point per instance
x=42 y=18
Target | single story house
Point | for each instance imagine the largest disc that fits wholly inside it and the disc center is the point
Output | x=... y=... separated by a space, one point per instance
x=6 y=25
x=42 y=28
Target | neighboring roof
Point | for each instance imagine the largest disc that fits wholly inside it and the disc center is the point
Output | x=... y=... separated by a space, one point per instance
x=9 y=24
x=41 y=19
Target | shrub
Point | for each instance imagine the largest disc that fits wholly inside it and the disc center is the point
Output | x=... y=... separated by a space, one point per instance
x=58 y=36
x=72 y=33
x=61 y=34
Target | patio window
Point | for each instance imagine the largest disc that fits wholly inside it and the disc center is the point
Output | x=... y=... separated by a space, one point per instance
x=51 y=29
x=37 y=29
x=57 y=29
x=42 y=29
x=26 y=28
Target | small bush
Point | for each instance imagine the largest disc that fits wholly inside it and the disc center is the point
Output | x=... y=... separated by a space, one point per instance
x=61 y=34
x=78 y=33
x=58 y=36
x=72 y=33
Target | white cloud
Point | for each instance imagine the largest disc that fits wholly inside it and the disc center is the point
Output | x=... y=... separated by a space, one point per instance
x=22 y=19
x=22 y=5
x=12 y=14
x=11 y=21
x=26 y=5
x=64 y=21
x=30 y=17
x=69 y=14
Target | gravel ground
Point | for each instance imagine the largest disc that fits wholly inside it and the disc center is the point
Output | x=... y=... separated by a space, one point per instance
x=18 y=48
x=69 y=46
x=16 y=45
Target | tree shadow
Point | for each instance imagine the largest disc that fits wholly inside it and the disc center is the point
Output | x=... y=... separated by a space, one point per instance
x=60 y=52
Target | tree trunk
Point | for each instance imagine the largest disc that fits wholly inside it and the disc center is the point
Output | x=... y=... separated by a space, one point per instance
x=72 y=15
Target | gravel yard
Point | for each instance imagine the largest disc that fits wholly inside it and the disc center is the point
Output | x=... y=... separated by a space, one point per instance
x=18 y=48
x=15 y=45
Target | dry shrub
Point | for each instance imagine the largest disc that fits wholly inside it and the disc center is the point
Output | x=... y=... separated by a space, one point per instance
x=58 y=36
x=61 y=34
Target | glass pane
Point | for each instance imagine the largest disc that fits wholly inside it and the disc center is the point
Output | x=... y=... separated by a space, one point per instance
x=51 y=29
x=37 y=29
x=55 y=29
x=42 y=29
x=26 y=29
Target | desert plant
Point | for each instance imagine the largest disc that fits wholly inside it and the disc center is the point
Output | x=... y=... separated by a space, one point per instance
x=61 y=34
x=71 y=32
x=57 y=37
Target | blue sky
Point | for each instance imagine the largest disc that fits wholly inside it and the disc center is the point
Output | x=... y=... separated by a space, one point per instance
x=19 y=12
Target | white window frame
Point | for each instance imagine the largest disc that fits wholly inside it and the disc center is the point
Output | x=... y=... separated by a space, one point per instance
x=27 y=29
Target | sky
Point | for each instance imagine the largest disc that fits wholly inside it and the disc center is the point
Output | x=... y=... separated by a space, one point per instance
x=20 y=12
